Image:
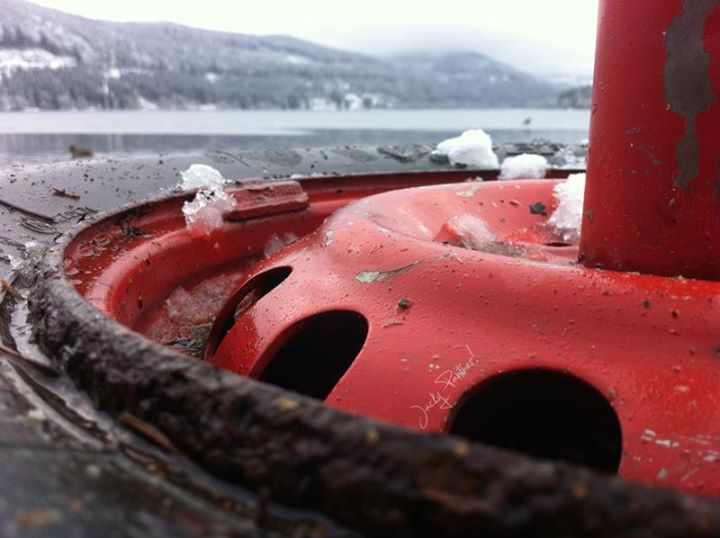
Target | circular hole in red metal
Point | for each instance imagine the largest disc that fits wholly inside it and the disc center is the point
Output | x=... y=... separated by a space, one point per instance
x=317 y=352
x=543 y=413
x=248 y=295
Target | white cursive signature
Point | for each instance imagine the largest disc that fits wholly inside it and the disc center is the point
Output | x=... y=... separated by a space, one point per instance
x=436 y=400
x=448 y=379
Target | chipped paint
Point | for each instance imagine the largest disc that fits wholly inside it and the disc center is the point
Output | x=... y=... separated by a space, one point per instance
x=667 y=443
x=368 y=277
x=649 y=154
x=688 y=88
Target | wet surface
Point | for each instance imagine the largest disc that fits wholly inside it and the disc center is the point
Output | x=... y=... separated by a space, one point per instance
x=69 y=470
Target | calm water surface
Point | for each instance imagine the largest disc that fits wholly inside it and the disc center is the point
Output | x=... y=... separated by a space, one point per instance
x=27 y=137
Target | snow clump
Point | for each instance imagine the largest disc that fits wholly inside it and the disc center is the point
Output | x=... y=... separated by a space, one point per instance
x=205 y=211
x=567 y=217
x=201 y=176
x=525 y=166
x=472 y=231
x=472 y=148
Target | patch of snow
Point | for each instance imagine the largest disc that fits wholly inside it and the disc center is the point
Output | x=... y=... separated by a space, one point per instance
x=353 y=101
x=278 y=242
x=525 y=166
x=113 y=73
x=36 y=414
x=472 y=148
x=321 y=104
x=293 y=59
x=32 y=248
x=211 y=77
x=567 y=217
x=208 y=107
x=145 y=104
x=476 y=185
x=182 y=309
x=570 y=158
x=205 y=211
x=473 y=232
x=201 y=176
x=23 y=59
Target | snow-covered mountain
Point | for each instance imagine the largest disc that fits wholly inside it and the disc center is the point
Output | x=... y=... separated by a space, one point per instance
x=53 y=60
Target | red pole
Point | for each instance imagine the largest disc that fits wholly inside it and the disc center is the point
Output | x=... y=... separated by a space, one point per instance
x=652 y=200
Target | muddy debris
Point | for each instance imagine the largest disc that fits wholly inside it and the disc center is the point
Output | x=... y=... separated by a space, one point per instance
x=404 y=304
x=538 y=208
x=64 y=193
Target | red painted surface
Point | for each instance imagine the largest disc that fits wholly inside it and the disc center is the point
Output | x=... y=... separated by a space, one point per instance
x=637 y=217
x=130 y=265
x=648 y=344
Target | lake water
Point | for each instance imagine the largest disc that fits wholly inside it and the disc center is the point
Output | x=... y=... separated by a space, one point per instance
x=27 y=137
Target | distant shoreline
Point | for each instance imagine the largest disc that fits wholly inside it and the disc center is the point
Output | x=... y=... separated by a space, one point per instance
x=289 y=122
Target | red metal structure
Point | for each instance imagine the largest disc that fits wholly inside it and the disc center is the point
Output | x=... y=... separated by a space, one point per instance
x=454 y=307
x=654 y=193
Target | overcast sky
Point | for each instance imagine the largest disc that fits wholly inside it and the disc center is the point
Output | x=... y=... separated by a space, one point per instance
x=541 y=36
